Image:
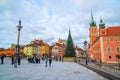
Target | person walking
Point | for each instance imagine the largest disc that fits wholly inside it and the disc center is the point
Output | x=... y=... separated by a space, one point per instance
x=36 y=59
x=39 y=59
x=12 y=60
x=50 y=61
x=46 y=61
x=19 y=60
x=15 y=62
x=2 y=59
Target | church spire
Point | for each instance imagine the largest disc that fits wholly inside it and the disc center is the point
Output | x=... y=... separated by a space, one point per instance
x=92 y=16
x=101 y=24
x=92 y=23
x=101 y=19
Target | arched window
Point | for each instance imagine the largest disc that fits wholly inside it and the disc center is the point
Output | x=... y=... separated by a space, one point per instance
x=110 y=56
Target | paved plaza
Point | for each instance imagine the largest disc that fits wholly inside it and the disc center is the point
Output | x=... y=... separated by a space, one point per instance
x=58 y=71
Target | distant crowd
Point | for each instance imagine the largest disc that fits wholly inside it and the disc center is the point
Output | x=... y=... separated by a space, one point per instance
x=16 y=60
x=36 y=59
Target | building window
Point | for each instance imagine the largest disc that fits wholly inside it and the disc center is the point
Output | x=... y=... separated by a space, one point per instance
x=109 y=49
x=110 y=57
x=118 y=48
x=108 y=39
x=103 y=32
x=116 y=39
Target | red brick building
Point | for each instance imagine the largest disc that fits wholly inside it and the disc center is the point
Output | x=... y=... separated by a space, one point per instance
x=104 y=43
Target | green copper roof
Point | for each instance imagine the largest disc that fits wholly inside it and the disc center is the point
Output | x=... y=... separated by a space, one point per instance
x=92 y=23
x=102 y=24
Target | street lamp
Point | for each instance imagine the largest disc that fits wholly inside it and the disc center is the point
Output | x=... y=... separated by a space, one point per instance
x=85 y=44
x=17 y=46
x=118 y=58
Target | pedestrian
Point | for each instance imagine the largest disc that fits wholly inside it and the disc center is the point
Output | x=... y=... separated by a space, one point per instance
x=38 y=59
x=12 y=60
x=28 y=59
x=62 y=59
x=19 y=60
x=59 y=59
x=50 y=61
x=46 y=61
x=34 y=59
x=15 y=61
x=2 y=59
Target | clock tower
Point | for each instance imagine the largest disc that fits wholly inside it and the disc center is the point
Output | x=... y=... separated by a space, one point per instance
x=93 y=30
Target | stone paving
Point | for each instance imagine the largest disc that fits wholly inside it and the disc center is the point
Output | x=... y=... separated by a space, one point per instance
x=101 y=68
x=58 y=71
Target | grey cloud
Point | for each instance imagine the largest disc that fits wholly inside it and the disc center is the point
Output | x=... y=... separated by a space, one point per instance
x=49 y=20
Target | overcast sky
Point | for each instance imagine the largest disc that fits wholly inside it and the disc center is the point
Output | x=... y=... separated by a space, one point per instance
x=49 y=20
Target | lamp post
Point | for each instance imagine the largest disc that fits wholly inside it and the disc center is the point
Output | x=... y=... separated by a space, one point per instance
x=85 y=44
x=18 y=46
x=118 y=58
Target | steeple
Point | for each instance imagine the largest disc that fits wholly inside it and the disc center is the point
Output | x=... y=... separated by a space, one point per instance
x=102 y=24
x=92 y=23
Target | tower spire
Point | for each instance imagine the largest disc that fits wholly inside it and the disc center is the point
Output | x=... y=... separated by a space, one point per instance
x=91 y=16
x=92 y=23
x=101 y=24
x=101 y=21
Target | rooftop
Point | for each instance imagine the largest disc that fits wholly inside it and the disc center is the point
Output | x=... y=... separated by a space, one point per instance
x=113 y=30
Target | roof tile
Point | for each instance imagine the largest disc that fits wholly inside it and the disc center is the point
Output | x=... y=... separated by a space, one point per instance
x=113 y=30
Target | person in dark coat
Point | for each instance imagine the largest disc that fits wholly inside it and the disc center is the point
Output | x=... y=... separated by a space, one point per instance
x=19 y=60
x=50 y=61
x=12 y=59
x=2 y=59
x=38 y=59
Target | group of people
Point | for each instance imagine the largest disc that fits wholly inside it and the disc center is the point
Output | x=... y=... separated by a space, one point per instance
x=15 y=60
x=36 y=59
x=60 y=59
